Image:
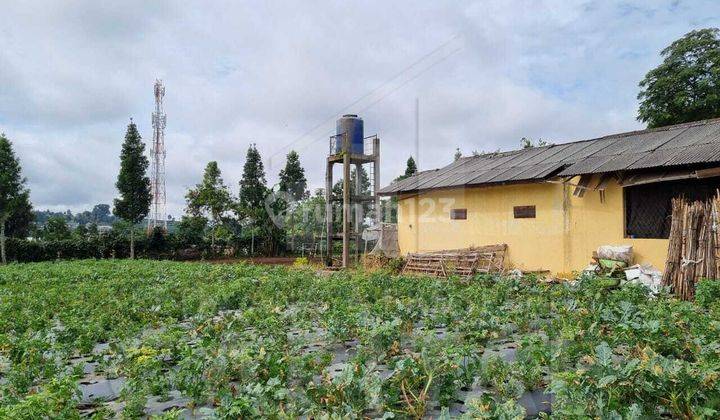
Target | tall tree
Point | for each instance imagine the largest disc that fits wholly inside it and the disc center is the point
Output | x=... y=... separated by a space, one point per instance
x=391 y=205
x=410 y=167
x=13 y=194
x=685 y=86
x=253 y=187
x=292 y=177
x=294 y=183
x=211 y=197
x=20 y=222
x=133 y=183
x=101 y=213
x=251 y=204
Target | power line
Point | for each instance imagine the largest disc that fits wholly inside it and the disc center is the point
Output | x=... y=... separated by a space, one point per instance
x=398 y=87
x=373 y=91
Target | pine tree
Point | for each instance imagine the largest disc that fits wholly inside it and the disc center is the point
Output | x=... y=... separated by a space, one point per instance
x=210 y=197
x=458 y=153
x=133 y=183
x=294 y=183
x=411 y=168
x=13 y=194
x=253 y=190
x=253 y=187
x=292 y=177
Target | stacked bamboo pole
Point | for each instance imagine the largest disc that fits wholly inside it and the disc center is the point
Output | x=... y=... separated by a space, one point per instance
x=715 y=233
x=693 y=251
x=672 y=266
x=461 y=262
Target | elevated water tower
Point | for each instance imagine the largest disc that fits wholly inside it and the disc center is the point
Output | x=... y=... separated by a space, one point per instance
x=348 y=147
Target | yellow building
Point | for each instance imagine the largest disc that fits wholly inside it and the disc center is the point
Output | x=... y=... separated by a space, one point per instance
x=554 y=205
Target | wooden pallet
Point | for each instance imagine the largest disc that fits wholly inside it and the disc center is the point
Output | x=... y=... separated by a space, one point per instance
x=460 y=262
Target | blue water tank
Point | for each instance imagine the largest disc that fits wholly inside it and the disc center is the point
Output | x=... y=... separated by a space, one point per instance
x=350 y=125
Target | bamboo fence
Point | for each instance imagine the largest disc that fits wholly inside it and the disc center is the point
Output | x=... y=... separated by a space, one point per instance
x=693 y=251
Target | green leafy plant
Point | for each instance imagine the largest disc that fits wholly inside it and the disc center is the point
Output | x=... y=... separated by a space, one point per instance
x=258 y=341
x=707 y=292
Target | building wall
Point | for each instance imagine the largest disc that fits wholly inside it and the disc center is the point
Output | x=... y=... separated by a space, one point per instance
x=561 y=238
x=593 y=223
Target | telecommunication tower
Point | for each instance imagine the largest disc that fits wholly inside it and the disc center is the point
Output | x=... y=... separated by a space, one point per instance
x=158 y=215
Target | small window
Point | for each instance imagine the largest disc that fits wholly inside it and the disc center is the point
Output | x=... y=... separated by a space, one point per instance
x=524 y=212
x=458 y=214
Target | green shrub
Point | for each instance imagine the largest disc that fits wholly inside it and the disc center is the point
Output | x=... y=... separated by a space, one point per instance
x=23 y=250
x=395 y=265
x=707 y=292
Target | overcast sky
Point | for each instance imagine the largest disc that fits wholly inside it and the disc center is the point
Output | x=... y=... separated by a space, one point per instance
x=486 y=74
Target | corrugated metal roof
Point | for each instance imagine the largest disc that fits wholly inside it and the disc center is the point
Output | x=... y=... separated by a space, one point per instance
x=695 y=153
x=620 y=162
x=538 y=171
x=656 y=158
x=673 y=146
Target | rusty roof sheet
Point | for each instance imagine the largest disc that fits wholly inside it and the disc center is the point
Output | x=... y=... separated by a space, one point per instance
x=673 y=146
x=655 y=158
x=696 y=153
x=537 y=171
x=620 y=162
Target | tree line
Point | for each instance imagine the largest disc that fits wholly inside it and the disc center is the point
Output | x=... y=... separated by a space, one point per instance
x=101 y=214
x=287 y=219
x=682 y=88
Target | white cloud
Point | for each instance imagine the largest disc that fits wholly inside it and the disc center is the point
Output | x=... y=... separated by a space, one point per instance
x=72 y=73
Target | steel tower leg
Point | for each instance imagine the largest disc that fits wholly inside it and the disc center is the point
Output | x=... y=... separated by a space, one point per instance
x=358 y=210
x=346 y=208
x=376 y=180
x=328 y=214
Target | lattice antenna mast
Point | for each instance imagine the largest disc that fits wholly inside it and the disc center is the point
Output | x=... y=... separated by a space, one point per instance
x=158 y=215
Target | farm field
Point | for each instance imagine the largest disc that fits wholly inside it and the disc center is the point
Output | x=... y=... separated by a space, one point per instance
x=167 y=340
